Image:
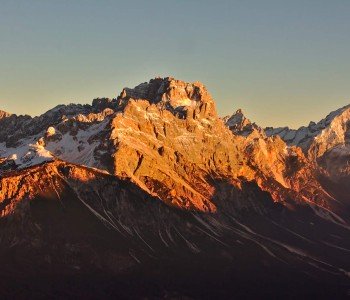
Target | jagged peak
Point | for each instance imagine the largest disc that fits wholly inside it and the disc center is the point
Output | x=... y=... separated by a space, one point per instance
x=331 y=116
x=100 y=104
x=313 y=126
x=316 y=138
x=172 y=94
x=237 y=118
x=168 y=88
x=4 y=114
x=67 y=109
x=240 y=124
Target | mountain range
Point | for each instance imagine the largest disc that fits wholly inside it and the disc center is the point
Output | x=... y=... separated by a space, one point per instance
x=154 y=195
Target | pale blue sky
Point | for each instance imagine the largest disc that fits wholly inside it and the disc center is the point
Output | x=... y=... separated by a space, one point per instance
x=282 y=62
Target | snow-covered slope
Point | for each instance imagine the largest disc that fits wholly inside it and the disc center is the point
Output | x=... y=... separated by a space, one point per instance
x=326 y=143
x=317 y=138
x=23 y=156
x=73 y=133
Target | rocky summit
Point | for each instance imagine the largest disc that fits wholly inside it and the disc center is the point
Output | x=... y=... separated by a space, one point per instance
x=153 y=195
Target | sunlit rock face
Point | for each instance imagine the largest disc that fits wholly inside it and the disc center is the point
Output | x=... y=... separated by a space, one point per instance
x=179 y=97
x=282 y=170
x=4 y=114
x=183 y=154
x=166 y=136
x=169 y=139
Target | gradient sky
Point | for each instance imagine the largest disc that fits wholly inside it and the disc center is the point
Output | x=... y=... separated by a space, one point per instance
x=282 y=62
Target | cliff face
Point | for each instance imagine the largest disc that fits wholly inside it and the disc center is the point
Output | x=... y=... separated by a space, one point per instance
x=182 y=153
x=172 y=142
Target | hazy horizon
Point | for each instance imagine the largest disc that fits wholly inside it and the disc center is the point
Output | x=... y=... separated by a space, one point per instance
x=284 y=64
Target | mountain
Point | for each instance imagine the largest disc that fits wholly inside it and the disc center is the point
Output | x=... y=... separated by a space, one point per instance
x=326 y=144
x=239 y=124
x=318 y=138
x=152 y=194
